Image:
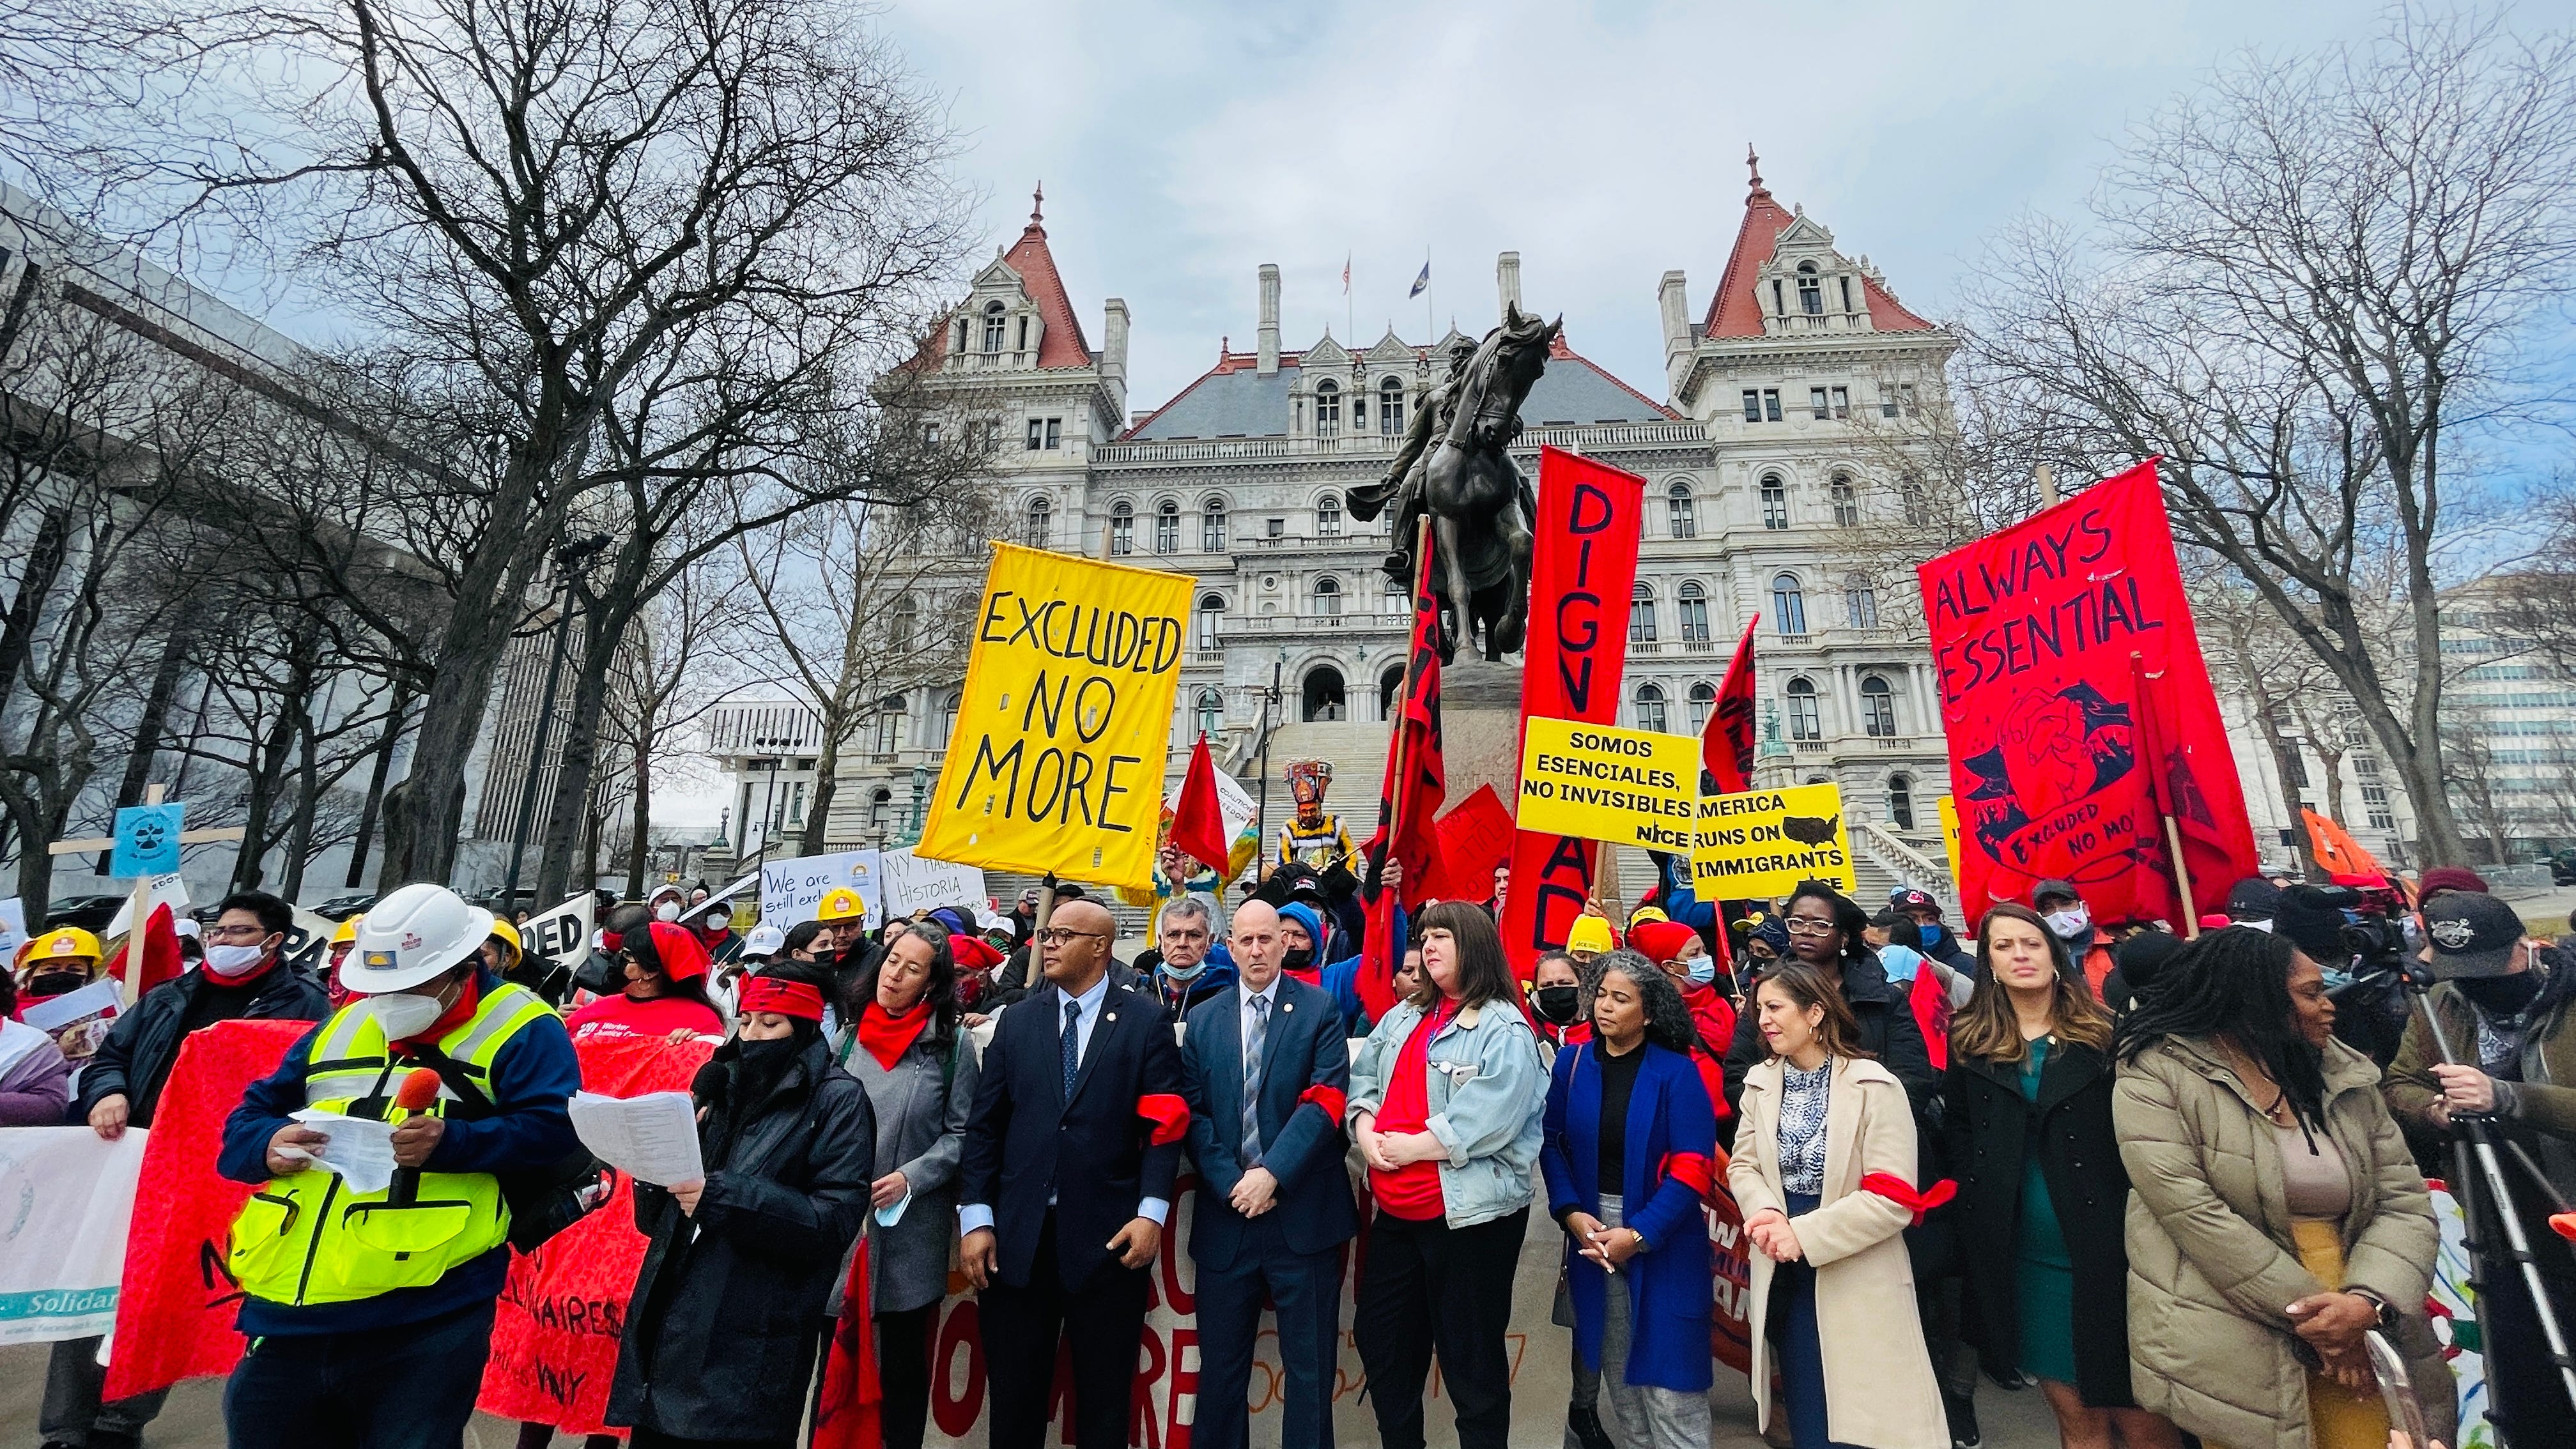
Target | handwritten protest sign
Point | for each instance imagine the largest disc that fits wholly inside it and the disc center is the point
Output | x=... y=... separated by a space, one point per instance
x=1762 y=843
x=1056 y=764
x=68 y=1194
x=791 y=889
x=1600 y=782
x=911 y=882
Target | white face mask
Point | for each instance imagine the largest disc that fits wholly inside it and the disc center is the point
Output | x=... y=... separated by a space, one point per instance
x=667 y=911
x=405 y=1013
x=234 y=961
x=2071 y=924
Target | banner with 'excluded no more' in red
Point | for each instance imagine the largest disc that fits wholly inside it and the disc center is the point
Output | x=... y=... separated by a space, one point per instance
x=2079 y=712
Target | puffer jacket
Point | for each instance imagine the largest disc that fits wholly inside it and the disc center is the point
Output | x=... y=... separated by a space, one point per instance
x=2211 y=1259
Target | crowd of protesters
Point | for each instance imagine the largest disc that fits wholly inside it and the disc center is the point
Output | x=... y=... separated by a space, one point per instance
x=2169 y=1183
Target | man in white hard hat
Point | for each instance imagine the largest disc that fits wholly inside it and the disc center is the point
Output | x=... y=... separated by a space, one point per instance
x=372 y=1311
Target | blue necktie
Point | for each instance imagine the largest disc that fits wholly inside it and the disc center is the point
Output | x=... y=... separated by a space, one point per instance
x=1253 y=1042
x=1072 y=1046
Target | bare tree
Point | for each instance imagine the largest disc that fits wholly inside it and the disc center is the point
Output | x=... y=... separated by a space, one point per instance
x=660 y=683
x=2304 y=278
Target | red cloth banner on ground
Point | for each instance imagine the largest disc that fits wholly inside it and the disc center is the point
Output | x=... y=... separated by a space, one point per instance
x=1475 y=840
x=174 y=1313
x=1726 y=747
x=1584 y=564
x=2033 y=632
x=555 y=1330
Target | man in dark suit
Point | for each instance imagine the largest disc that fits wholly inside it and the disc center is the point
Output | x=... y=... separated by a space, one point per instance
x=1071 y=1152
x=1265 y=1067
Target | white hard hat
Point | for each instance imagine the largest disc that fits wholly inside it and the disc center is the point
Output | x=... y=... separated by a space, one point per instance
x=411 y=936
x=764 y=941
x=187 y=926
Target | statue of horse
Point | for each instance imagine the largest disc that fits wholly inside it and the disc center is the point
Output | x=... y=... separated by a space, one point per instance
x=1481 y=509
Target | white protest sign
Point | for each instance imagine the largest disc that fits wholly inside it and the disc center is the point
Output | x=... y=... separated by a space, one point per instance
x=791 y=889
x=561 y=935
x=166 y=890
x=13 y=926
x=909 y=883
x=308 y=939
x=70 y=1195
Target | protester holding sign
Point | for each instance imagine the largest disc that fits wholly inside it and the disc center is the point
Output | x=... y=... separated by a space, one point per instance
x=726 y=1319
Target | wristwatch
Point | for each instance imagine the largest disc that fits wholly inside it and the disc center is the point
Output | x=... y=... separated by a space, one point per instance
x=2387 y=1310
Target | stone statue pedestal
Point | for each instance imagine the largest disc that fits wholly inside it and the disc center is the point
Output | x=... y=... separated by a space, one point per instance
x=1480 y=728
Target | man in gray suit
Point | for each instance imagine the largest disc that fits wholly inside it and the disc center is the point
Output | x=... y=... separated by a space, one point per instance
x=1265 y=1068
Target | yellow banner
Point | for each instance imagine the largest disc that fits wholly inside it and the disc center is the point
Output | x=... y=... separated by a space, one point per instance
x=1949 y=809
x=1056 y=764
x=1762 y=843
x=1598 y=782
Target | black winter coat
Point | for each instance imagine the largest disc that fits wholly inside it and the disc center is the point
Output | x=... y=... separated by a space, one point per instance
x=143 y=1045
x=1990 y=1131
x=728 y=1310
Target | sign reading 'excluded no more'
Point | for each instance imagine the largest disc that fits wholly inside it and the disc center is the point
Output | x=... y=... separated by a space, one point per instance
x=1599 y=782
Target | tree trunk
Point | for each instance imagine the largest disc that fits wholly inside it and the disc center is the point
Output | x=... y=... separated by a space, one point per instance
x=827 y=783
x=368 y=813
x=2285 y=765
x=153 y=724
x=574 y=767
x=308 y=794
x=35 y=584
x=36 y=827
x=269 y=774
x=640 y=849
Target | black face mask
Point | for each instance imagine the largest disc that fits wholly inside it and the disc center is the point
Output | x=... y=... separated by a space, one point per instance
x=758 y=1067
x=1299 y=959
x=1557 y=1004
x=2501 y=995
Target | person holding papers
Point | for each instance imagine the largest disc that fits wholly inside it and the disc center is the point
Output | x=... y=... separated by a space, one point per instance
x=920 y=1073
x=727 y=1317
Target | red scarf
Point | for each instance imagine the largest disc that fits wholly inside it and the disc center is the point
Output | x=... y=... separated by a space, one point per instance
x=887 y=1038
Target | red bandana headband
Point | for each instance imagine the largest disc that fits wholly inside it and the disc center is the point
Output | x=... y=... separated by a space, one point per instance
x=786 y=998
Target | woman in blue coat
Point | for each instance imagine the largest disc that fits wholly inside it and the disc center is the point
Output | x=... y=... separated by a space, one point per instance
x=1629 y=1150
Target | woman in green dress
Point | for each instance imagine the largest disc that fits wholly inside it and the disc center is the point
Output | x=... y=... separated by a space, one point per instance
x=2041 y=1189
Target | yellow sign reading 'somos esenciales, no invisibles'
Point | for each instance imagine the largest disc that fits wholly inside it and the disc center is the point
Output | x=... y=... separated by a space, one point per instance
x=1598 y=782
x=1056 y=764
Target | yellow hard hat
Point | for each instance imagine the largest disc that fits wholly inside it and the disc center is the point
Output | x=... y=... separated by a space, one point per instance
x=508 y=935
x=347 y=935
x=1645 y=913
x=1590 y=933
x=63 y=943
x=841 y=904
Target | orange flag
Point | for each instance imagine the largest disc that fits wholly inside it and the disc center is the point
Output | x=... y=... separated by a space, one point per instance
x=2336 y=851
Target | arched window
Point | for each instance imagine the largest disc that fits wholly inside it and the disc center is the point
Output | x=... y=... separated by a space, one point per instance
x=1035 y=528
x=1328 y=517
x=1775 y=502
x=1650 y=708
x=889 y=724
x=1211 y=615
x=881 y=811
x=1877 y=707
x=1328 y=597
x=1806 y=721
x=1860 y=602
x=1694 y=611
x=907 y=620
x=948 y=706
x=1811 y=290
x=1681 y=512
x=1846 y=502
x=1788 y=604
x=1212 y=526
x=1321 y=694
x=994 y=328
x=1122 y=528
x=1328 y=409
x=1390 y=407
x=1389 y=680
x=1900 y=801
x=1167 y=527
x=1641 y=615
x=1917 y=503
x=1211 y=711
x=1703 y=699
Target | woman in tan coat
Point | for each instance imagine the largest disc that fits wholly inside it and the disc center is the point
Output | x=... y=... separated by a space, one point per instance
x=2276 y=1216
x=1824 y=1172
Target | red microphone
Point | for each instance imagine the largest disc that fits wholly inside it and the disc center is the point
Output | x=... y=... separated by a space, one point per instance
x=418 y=1090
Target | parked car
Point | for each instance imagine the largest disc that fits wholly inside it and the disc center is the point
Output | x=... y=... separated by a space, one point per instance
x=90 y=913
x=341 y=908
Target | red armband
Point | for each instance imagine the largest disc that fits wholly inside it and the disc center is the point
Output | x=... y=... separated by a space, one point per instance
x=1169 y=1114
x=1691 y=1169
x=1334 y=1102
x=1900 y=1192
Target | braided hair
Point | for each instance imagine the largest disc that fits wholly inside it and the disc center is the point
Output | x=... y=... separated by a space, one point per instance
x=2234 y=985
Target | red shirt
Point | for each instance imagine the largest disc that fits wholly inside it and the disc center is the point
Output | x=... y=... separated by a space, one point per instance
x=623 y=1016
x=1412 y=1191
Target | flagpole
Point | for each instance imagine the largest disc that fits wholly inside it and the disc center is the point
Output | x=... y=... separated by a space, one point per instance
x=2182 y=879
x=2157 y=795
x=1421 y=586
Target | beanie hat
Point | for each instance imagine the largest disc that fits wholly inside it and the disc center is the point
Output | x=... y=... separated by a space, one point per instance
x=1590 y=933
x=2312 y=917
x=2452 y=878
x=1661 y=941
x=1304 y=915
x=2142 y=958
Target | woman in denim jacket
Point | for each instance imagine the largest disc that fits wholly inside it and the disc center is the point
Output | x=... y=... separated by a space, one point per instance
x=1447 y=1098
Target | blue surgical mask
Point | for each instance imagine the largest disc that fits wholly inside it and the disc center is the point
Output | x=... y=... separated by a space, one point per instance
x=1933 y=936
x=1191 y=972
x=1702 y=970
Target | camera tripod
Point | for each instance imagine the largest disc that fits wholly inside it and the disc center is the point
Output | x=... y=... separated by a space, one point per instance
x=2478 y=1169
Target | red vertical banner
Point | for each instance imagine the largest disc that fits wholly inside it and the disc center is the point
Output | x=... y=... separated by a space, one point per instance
x=2078 y=711
x=1585 y=562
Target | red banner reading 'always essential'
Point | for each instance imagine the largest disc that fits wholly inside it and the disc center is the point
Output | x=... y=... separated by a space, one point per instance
x=1585 y=562
x=2051 y=637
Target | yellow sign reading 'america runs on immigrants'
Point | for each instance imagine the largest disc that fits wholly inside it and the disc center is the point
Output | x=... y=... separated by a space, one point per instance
x=1056 y=764
x=1762 y=843
x=1597 y=782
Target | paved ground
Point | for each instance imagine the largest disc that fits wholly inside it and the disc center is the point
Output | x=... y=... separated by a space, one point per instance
x=193 y=1418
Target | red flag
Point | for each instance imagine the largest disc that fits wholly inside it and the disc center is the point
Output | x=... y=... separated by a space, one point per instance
x=1726 y=746
x=1415 y=782
x=160 y=952
x=2064 y=749
x=1198 y=826
x=1475 y=840
x=846 y=1415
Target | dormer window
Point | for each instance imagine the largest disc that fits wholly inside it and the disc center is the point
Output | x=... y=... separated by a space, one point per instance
x=1811 y=290
x=993 y=328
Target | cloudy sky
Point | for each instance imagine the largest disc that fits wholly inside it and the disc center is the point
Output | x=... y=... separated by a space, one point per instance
x=1184 y=144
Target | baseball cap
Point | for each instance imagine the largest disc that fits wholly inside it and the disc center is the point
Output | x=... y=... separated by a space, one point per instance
x=2051 y=888
x=1914 y=901
x=2253 y=899
x=2472 y=934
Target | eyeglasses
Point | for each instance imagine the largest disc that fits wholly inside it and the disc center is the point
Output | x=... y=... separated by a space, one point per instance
x=1058 y=936
x=1807 y=926
x=237 y=933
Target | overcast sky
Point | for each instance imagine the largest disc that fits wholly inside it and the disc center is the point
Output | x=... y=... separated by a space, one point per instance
x=1184 y=144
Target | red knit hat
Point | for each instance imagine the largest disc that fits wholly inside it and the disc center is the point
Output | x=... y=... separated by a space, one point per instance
x=2451 y=878
x=1661 y=941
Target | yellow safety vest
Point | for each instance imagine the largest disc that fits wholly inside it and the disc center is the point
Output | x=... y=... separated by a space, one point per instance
x=306 y=1238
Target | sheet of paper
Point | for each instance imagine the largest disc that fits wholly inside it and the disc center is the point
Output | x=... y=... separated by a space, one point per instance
x=361 y=1149
x=652 y=1138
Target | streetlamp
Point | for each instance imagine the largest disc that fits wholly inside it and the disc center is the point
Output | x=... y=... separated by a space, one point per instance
x=570 y=560
x=1269 y=702
x=920 y=789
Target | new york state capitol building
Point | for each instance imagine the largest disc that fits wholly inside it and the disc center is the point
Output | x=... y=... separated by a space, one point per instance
x=1764 y=469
